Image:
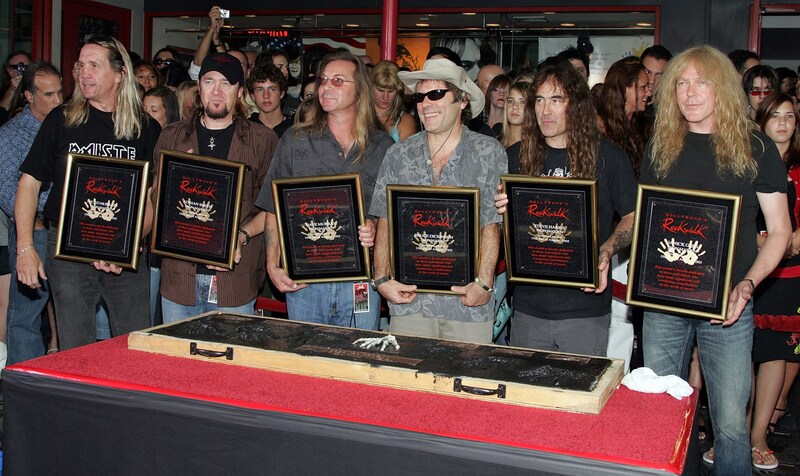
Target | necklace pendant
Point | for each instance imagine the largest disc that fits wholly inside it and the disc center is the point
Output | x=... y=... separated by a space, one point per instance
x=211 y=143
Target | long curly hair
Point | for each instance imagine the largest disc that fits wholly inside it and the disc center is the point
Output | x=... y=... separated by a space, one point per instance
x=629 y=133
x=366 y=123
x=792 y=156
x=129 y=115
x=734 y=156
x=583 y=133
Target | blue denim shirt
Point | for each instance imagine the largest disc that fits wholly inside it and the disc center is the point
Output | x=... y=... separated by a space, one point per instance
x=16 y=137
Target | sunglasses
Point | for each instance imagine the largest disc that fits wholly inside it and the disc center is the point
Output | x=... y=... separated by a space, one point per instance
x=433 y=95
x=165 y=61
x=756 y=93
x=336 y=81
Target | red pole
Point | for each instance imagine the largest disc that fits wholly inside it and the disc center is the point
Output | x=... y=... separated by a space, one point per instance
x=389 y=31
x=754 y=34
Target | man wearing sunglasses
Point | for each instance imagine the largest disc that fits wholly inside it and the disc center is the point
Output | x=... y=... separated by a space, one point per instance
x=446 y=153
x=344 y=136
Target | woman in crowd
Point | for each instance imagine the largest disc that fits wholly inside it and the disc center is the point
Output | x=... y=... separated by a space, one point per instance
x=496 y=101
x=147 y=75
x=162 y=105
x=620 y=105
x=514 y=114
x=309 y=87
x=387 y=93
x=758 y=82
x=777 y=323
x=187 y=99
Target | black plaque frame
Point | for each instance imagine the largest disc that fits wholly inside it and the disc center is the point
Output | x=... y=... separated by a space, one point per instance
x=102 y=210
x=551 y=231
x=197 y=206
x=691 y=275
x=326 y=248
x=413 y=211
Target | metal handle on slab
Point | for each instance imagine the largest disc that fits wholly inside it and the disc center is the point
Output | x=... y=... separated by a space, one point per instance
x=459 y=387
x=227 y=353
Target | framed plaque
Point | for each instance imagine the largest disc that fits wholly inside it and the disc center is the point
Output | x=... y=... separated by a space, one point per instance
x=683 y=249
x=550 y=229
x=102 y=210
x=197 y=205
x=318 y=219
x=434 y=236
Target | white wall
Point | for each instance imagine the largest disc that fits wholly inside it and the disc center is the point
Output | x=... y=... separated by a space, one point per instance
x=137 y=25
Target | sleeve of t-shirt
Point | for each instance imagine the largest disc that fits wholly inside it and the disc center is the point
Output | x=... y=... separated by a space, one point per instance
x=41 y=159
x=386 y=174
x=646 y=175
x=194 y=71
x=280 y=167
x=512 y=152
x=771 y=169
x=497 y=167
x=622 y=181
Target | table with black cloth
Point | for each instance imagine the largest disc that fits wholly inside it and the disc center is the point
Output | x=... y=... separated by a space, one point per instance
x=105 y=409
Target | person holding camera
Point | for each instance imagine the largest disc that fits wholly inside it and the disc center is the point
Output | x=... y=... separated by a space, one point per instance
x=13 y=70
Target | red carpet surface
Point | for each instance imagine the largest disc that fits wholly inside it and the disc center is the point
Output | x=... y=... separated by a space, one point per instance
x=633 y=428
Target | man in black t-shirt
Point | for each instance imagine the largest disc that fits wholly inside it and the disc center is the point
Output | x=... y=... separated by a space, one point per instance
x=104 y=118
x=220 y=130
x=565 y=141
x=703 y=141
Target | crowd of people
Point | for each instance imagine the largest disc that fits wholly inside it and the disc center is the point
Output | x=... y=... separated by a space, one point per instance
x=699 y=120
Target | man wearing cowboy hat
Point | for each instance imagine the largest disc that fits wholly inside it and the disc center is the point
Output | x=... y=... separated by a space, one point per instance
x=446 y=153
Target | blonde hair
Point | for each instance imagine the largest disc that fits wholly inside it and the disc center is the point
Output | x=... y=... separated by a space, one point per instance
x=129 y=115
x=384 y=76
x=731 y=142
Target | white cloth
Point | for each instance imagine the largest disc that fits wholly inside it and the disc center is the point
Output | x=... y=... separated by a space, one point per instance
x=620 y=329
x=645 y=380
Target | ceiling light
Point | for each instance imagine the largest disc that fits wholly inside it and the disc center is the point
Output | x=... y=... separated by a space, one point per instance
x=568 y=24
x=423 y=24
x=492 y=25
x=549 y=13
x=352 y=25
x=287 y=26
x=469 y=13
x=644 y=24
x=184 y=16
x=249 y=16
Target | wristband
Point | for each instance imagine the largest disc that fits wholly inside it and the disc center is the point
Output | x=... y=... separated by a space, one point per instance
x=24 y=249
x=378 y=282
x=483 y=285
x=246 y=236
x=751 y=283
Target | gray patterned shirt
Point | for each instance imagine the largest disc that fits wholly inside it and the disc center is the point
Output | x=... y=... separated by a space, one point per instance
x=478 y=161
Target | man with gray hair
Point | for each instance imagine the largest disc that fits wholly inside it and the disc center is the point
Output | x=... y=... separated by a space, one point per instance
x=447 y=153
x=40 y=93
x=104 y=118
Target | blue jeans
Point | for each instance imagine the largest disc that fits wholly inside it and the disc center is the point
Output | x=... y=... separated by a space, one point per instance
x=332 y=303
x=725 y=354
x=25 y=305
x=77 y=289
x=172 y=311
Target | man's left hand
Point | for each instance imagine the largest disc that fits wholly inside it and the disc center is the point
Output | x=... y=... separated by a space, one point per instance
x=366 y=234
x=603 y=264
x=107 y=267
x=741 y=294
x=472 y=295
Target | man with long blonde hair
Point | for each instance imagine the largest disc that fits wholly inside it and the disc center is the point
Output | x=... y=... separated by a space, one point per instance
x=704 y=141
x=104 y=118
x=342 y=136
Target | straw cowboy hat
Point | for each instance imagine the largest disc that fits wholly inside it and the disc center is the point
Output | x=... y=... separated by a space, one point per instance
x=445 y=70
